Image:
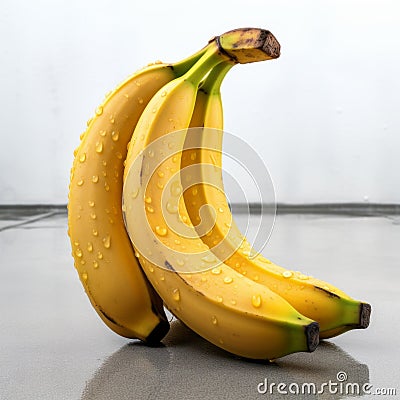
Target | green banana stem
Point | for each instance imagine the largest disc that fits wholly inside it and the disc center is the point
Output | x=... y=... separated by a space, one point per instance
x=212 y=83
x=208 y=61
x=181 y=67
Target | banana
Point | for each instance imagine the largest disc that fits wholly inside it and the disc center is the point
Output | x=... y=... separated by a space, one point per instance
x=220 y=304
x=103 y=254
x=335 y=311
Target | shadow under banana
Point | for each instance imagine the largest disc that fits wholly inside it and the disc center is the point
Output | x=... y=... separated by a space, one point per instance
x=187 y=366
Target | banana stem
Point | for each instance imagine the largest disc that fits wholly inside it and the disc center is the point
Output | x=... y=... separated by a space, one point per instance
x=208 y=61
x=181 y=67
x=212 y=83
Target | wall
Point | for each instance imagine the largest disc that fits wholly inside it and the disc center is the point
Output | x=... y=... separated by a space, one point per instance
x=324 y=117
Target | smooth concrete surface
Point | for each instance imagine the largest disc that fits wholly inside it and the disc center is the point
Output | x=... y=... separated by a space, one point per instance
x=54 y=346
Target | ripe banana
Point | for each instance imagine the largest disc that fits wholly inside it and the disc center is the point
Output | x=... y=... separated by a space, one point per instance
x=104 y=257
x=335 y=311
x=220 y=304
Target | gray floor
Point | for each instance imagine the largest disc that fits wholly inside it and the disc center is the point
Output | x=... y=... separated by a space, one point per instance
x=53 y=345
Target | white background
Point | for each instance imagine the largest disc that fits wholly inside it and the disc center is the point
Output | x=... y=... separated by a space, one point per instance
x=324 y=117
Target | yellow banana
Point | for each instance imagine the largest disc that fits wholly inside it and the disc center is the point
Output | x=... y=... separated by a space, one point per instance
x=104 y=257
x=220 y=304
x=335 y=311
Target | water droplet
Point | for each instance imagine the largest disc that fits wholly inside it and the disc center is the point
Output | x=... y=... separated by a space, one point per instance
x=107 y=241
x=78 y=252
x=99 y=147
x=150 y=209
x=91 y=203
x=172 y=208
x=194 y=191
x=95 y=264
x=114 y=136
x=233 y=302
x=160 y=185
x=104 y=162
x=256 y=300
x=84 y=276
x=106 y=187
x=326 y=287
x=176 y=295
x=99 y=110
x=176 y=188
x=193 y=156
x=303 y=277
x=177 y=241
x=95 y=178
x=93 y=215
x=82 y=135
x=95 y=232
x=90 y=247
x=140 y=100
x=80 y=182
x=219 y=299
x=151 y=153
x=228 y=279
x=161 y=230
x=162 y=278
x=209 y=258
x=151 y=269
x=160 y=174
x=99 y=255
x=203 y=279
x=82 y=157
x=148 y=199
x=256 y=278
x=287 y=274
x=214 y=320
x=112 y=119
x=216 y=271
x=102 y=132
x=89 y=121
x=154 y=110
x=135 y=193
x=180 y=262
x=221 y=210
x=174 y=159
x=118 y=155
x=163 y=93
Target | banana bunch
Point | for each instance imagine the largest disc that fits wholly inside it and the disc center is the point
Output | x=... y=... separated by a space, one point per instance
x=143 y=227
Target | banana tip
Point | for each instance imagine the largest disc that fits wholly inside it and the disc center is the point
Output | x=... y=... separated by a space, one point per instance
x=312 y=335
x=157 y=334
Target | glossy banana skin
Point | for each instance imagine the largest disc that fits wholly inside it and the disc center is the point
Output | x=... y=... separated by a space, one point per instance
x=334 y=310
x=103 y=254
x=220 y=304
